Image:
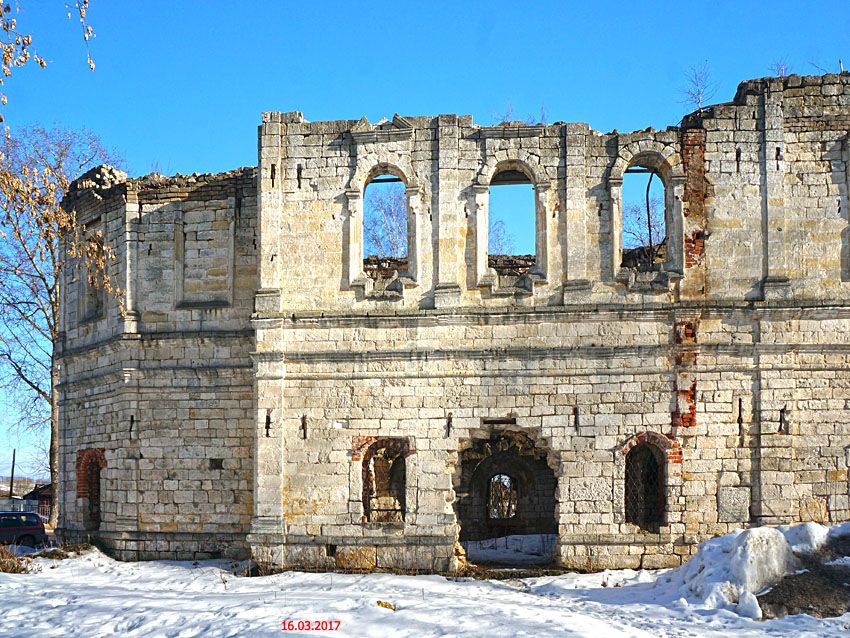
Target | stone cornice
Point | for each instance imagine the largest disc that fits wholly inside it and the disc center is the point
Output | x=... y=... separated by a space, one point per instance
x=572 y=314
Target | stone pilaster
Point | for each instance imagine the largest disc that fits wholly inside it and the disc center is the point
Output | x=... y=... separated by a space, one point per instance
x=446 y=211
x=774 y=222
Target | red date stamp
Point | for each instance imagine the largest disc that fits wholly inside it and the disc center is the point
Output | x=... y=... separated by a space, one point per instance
x=309 y=625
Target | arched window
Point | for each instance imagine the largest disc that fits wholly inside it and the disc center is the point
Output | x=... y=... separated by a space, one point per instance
x=385 y=226
x=385 y=481
x=501 y=497
x=511 y=223
x=645 y=218
x=89 y=464
x=645 y=487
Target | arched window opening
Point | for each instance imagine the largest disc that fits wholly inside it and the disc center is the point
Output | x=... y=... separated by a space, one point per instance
x=511 y=231
x=644 y=227
x=501 y=497
x=645 y=488
x=385 y=482
x=385 y=226
x=92 y=510
x=89 y=464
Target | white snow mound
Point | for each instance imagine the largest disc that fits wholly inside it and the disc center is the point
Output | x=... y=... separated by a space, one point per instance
x=759 y=558
x=728 y=572
x=806 y=538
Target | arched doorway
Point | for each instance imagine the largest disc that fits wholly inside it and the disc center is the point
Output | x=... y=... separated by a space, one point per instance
x=505 y=500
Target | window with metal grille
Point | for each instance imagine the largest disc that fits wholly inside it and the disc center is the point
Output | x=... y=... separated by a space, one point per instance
x=501 y=497
x=645 y=498
x=92 y=512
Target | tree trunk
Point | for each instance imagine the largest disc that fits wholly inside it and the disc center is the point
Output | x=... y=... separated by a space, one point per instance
x=54 y=443
x=651 y=254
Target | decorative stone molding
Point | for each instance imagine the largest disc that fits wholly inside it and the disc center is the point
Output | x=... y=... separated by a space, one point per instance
x=365 y=133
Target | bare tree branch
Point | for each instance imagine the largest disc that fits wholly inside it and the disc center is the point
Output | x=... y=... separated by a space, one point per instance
x=699 y=87
x=40 y=240
x=780 y=68
x=499 y=240
x=644 y=230
x=385 y=221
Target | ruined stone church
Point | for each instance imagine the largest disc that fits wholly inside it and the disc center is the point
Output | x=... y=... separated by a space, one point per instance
x=267 y=388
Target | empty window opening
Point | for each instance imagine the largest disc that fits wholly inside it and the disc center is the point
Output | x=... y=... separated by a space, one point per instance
x=385 y=482
x=92 y=292
x=385 y=227
x=511 y=224
x=505 y=500
x=502 y=497
x=644 y=229
x=645 y=499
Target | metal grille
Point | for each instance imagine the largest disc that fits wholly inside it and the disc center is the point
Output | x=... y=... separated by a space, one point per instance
x=645 y=487
x=93 y=481
x=502 y=497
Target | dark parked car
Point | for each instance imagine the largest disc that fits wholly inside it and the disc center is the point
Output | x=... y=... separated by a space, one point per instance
x=22 y=528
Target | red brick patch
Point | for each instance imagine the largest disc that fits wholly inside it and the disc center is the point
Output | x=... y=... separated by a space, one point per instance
x=671 y=447
x=688 y=396
x=84 y=459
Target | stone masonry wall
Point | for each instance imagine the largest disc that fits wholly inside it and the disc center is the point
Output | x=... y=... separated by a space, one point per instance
x=729 y=357
x=166 y=389
x=587 y=357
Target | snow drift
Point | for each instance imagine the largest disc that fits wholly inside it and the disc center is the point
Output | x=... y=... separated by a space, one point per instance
x=728 y=572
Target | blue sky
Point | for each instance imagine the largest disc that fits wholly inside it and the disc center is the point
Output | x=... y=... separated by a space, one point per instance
x=179 y=86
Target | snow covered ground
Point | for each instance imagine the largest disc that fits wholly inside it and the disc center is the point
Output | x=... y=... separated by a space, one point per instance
x=92 y=595
x=527 y=549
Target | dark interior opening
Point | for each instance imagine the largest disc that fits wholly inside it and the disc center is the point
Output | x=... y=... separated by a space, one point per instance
x=645 y=498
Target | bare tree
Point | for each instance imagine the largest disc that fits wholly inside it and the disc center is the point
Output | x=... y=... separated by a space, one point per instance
x=17 y=47
x=40 y=240
x=644 y=230
x=541 y=118
x=385 y=225
x=780 y=68
x=385 y=221
x=699 y=87
x=499 y=240
x=502 y=498
x=505 y=116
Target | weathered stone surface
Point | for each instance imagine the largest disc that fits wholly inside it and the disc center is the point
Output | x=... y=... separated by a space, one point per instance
x=268 y=388
x=357 y=558
x=733 y=504
x=659 y=561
